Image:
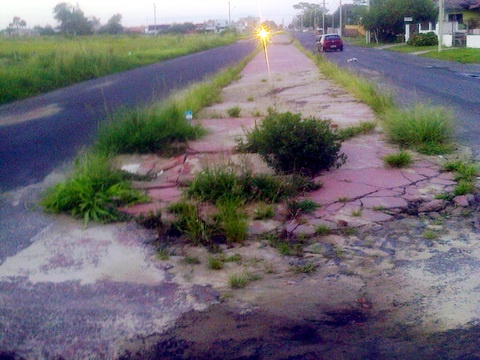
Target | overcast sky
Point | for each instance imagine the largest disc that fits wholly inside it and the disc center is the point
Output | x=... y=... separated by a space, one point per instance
x=141 y=12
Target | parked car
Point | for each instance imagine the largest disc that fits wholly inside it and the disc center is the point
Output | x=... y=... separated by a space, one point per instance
x=329 y=42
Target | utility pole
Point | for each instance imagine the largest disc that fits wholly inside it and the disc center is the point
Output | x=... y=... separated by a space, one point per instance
x=323 y=18
x=229 y=16
x=367 y=32
x=155 y=17
x=440 y=24
x=340 y=29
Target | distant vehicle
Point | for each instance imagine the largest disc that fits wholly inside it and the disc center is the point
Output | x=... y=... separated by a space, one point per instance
x=329 y=42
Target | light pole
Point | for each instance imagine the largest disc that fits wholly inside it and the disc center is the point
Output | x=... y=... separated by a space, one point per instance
x=440 y=24
x=229 y=16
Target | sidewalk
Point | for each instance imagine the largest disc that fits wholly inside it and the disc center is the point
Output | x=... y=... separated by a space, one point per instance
x=295 y=84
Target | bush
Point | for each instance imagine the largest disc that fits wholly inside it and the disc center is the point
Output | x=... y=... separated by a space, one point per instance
x=428 y=39
x=291 y=144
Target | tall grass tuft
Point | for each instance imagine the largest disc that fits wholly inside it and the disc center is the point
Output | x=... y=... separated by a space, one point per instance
x=145 y=130
x=426 y=129
x=93 y=192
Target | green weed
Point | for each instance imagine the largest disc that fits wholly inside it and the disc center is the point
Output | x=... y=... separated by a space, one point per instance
x=307 y=268
x=264 y=211
x=215 y=263
x=399 y=160
x=191 y=260
x=426 y=129
x=238 y=281
x=464 y=187
x=93 y=192
x=430 y=234
x=323 y=229
x=352 y=131
x=234 y=112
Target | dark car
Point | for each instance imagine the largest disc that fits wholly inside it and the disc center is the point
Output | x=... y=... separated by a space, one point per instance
x=329 y=42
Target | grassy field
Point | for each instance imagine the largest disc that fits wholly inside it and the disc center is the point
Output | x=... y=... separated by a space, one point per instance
x=30 y=66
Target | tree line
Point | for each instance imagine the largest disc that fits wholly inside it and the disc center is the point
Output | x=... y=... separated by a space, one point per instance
x=384 y=18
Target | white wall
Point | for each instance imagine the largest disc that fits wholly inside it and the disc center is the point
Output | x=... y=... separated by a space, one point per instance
x=473 y=41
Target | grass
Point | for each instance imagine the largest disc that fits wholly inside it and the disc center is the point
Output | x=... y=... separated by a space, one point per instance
x=364 y=127
x=94 y=191
x=190 y=224
x=220 y=182
x=430 y=234
x=31 y=66
x=410 y=49
x=163 y=254
x=232 y=221
x=263 y=212
x=401 y=159
x=307 y=268
x=146 y=130
x=323 y=229
x=191 y=260
x=234 y=112
x=357 y=213
x=464 y=187
x=461 y=55
x=426 y=129
x=215 y=263
x=465 y=174
x=238 y=281
x=463 y=170
x=304 y=207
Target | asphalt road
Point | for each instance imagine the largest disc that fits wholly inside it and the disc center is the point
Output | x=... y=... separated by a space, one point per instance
x=416 y=79
x=39 y=134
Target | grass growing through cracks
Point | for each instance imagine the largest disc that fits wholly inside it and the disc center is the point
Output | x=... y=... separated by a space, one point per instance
x=428 y=130
x=399 y=160
x=93 y=192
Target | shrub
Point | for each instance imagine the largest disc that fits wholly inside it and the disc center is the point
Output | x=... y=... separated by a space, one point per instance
x=428 y=130
x=93 y=192
x=291 y=144
x=428 y=39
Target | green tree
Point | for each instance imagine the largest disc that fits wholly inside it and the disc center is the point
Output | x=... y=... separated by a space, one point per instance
x=113 y=25
x=72 y=20
x=310 y=15
x=385 y=18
